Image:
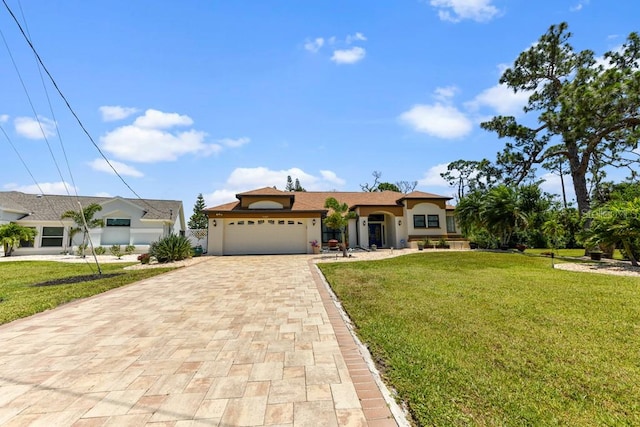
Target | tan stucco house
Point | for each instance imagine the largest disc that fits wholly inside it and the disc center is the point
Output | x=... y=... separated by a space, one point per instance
x=270 y=221
x=137 y=222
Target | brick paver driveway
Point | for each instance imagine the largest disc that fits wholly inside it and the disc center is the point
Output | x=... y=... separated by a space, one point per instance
x=230 y=341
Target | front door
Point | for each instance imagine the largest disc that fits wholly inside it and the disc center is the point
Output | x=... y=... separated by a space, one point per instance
x=375 y=234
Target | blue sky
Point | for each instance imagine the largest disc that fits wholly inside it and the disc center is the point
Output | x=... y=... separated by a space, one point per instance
x=220 y=96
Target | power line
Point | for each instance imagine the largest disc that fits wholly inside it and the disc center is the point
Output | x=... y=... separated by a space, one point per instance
x=84 y=129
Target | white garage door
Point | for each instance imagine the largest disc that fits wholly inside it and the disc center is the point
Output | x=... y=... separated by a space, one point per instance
x=265 y=236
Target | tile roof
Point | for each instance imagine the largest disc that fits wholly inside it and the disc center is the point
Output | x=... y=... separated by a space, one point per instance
x=50 y=207
x=314 y=200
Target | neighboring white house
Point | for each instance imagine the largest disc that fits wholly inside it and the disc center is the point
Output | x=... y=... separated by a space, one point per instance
x=137 y=222
x=270 y=221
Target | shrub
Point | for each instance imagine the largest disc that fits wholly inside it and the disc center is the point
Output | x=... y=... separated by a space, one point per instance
x=99 y=250
x=170 y=248
x=144 y=258
x=129 y=249
x=116 y=251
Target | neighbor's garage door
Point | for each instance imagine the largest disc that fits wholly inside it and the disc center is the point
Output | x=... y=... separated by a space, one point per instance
x=265 y=236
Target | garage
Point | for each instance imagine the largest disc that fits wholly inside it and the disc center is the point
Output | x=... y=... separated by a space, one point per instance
x=265 y=236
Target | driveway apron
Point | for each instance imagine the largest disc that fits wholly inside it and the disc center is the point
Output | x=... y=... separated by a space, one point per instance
x=230 y=341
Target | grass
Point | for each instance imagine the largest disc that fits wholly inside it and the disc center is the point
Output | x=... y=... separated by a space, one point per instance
x=568 y=252
x=28 y=287
x=498 y=339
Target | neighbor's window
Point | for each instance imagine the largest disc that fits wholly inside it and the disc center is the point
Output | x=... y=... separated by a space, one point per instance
x=118 y=222
x=433 y=221
x=27 y=244
x=52 y=237
x=419 y=221
x=451 y=224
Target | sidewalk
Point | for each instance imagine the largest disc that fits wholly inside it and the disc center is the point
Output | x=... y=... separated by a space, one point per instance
x=229 y=341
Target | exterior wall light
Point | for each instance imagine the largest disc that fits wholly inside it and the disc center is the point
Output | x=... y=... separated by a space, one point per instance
x=364 y=222
x=313 y=222
x=215 y=223
x=399 y=222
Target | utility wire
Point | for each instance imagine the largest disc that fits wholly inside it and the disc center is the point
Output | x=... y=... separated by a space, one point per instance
x=35 y=113
x=53 y=116
x=84 y=129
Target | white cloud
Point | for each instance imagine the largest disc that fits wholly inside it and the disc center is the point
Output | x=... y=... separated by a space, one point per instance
x=446 y=93
x=234 y=143
x=348 y=56
x=149 y=139
x=146 y=145
x=154 y=119
x=103 y=194
x=331 y=177
x=501 y=99
x=552 y=184
x=579 y=6
x=43 y=188
x=32 y=128
x=442 y=121
x=123 y=169
x=458 y=10
x=314 y=45
x=4 y=118
x=356 y=37
x=112 y=113
x=432 y=178
x=245 y=179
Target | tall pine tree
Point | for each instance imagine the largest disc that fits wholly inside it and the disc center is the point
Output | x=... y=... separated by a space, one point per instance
x=198 y=220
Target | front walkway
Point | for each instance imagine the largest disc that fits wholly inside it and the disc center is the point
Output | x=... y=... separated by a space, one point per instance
x=231 y=341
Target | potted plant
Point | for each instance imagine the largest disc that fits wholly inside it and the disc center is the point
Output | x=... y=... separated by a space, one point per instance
x=315 y=246
x=144 y=258
x=420 y=245
x=595 y=254
x=374 y=247
x=442 y=243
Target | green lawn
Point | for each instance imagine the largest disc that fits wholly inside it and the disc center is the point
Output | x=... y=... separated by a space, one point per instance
x=568 y=252
x=472 y=338
x=20 y=297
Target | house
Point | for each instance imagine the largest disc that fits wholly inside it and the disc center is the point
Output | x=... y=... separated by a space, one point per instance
x=270 y=221
x=126 y=221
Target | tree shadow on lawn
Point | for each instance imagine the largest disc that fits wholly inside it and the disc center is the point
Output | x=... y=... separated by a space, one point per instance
x=76 y=279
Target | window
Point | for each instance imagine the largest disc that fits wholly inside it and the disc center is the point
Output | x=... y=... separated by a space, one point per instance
x=433 y=221
x=419 y=221
x=118 y=222
x=331 y=234
x=451 y=224
x=52 y=237
x=27 y=244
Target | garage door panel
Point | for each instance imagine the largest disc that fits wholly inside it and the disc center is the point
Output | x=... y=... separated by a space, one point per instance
x=257 y=237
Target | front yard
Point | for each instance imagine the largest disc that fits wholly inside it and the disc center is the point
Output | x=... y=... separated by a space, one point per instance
x=498 y=339
x=29 y=287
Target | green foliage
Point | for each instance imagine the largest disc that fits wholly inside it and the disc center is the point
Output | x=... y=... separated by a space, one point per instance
x=338 y=219
x=79 y=217
x=170 y=248
x=586 y=111
x=116 y=251
x=476 y=338
x=129 y=249
x=11 y=234
x=99 y=250
x=388 y=186
x=21 y=299
x=199 y=219
x=616 y=223
x=290 y=186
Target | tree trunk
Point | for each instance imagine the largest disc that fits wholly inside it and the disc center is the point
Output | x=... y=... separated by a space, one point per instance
x=629 y=250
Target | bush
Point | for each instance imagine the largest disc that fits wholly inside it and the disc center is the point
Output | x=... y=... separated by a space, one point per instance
x=144 y=258
x=171 y=248
x=116 y=251
x=129 y=249
x=99 y=250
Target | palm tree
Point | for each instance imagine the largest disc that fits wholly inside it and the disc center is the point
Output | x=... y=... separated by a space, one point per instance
x=338 y=219
x=82 y=217
x=12 y=234
x=617 y=222
x=502 y=214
